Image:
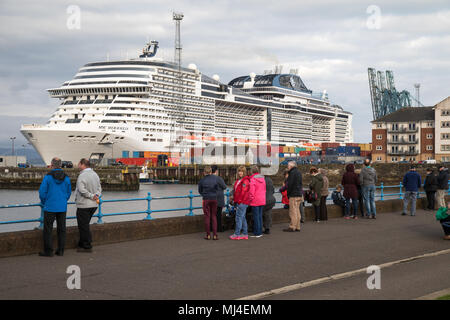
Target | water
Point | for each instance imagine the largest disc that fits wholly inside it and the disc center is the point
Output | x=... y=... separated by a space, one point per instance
x=8 y=197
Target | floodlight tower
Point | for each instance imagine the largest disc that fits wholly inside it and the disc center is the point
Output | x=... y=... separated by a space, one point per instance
x=417 y=87
x=177 y=17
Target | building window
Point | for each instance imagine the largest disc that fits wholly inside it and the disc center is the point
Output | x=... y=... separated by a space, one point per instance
x=445 y=113
x=379 y=137
x=378 y=158
x=379 y=125
x=445 y=147
x=430 y=124
x=395 y=138
x=412 y=126
x=429 y=147
x=445 y=124
x=379 y=147
x=445 y=136
x=394 y=159
x=429 y=136
x=412 y=138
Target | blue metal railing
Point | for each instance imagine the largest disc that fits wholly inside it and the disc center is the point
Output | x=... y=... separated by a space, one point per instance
x=100 y=215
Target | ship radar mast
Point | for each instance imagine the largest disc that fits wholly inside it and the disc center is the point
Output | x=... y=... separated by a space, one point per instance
x=150 y=49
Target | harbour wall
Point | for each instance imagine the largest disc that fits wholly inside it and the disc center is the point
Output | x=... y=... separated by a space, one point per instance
x=112 y=178
x=127 y=178
x=388 y=173
x=31 y=242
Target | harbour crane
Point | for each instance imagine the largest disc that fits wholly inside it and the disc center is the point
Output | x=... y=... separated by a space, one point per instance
x=384 y=96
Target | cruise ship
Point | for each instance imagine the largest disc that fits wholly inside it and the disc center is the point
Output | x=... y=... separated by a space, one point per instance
x=111 y=109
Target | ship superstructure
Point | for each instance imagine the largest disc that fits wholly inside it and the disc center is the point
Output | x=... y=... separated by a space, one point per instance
x=113 y=108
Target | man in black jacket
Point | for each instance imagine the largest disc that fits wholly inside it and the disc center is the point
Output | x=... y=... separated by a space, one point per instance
x=442 y=188
x=270 y=203
x=295 y=195
x=430 y=186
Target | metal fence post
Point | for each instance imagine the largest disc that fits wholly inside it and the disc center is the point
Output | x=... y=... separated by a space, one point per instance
x=401 y=193
x=149 y=208
x=100 y=214
x=382 y=192
x=227 y=203
x=191 y=196
x=41 y=219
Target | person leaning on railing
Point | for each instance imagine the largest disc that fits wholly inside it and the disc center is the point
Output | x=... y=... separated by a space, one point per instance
x=54 y=193
x=208 y=187
x=87 y=194
x=412 y=182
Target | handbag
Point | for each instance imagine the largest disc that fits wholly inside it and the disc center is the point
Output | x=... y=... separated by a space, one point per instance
x=441 y=214
x=310 y=196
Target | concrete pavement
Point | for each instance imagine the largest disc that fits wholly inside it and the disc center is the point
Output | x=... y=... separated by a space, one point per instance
x=188 y=267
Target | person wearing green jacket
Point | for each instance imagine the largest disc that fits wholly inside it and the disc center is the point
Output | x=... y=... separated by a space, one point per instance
x=316 y=186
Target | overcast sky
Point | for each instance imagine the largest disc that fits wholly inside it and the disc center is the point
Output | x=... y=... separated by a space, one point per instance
x=331 y=43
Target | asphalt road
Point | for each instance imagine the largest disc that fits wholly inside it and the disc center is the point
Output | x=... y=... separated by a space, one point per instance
x=188 y=267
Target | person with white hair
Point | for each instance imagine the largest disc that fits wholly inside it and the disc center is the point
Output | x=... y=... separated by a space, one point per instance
x=295 y=194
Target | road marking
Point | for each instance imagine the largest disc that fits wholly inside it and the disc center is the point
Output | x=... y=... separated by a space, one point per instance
x=338 y=276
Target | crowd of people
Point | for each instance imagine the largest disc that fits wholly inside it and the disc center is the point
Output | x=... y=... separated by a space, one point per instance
x=252 y=199
x=253 y=194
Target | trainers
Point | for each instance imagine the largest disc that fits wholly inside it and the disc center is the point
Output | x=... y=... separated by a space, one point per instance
x=258 y=236
x=267 y=231
x=244 y=237
x=403 y=214
x=288 y=230
x=346 y=218
x=235 y=237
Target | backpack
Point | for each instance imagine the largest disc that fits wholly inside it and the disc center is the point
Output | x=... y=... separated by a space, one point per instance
x=310 y=196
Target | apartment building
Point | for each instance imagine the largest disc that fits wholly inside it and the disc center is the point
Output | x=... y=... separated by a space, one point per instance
x=442 y=124
x=407 y=134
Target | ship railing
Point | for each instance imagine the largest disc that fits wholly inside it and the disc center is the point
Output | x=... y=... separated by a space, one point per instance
x=380 y=195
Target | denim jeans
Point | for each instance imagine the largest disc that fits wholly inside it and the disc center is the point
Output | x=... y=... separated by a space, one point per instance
x=354 y=204
x=410 y=196
x=241 y=221
x=257 y=220
x=369 y=199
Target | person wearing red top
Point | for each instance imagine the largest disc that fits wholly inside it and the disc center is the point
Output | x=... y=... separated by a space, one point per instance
x=241 y=200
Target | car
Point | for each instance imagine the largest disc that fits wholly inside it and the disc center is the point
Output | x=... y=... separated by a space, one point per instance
x=430 y=161
x=66 y=164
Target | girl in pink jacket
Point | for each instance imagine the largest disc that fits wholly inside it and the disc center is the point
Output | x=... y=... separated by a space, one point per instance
x=257 y=196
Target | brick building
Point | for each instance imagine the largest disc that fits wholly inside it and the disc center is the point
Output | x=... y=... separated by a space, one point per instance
x=413 y=134
x=404 y=135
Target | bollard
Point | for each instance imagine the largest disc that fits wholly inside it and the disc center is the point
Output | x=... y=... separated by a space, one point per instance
x=149 y=209
x=401 y=193
x=100 y=214
x=382 y=192
x=191 y=196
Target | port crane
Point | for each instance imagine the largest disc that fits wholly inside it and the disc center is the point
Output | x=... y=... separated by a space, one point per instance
x=384 y=96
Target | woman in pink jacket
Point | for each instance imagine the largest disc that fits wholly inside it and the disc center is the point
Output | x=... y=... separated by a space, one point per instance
x=257 y=197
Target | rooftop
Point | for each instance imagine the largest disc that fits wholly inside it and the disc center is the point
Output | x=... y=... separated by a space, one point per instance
x=408 y=114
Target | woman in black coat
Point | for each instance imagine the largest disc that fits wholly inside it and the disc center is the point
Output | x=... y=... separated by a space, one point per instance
x=350 y=181
x=430 y=186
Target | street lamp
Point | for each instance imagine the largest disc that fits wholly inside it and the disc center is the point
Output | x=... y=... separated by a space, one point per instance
x=12 y=140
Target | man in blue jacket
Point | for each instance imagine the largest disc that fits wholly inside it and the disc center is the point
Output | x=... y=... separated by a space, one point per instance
x=412 y=182
x=54 y=193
